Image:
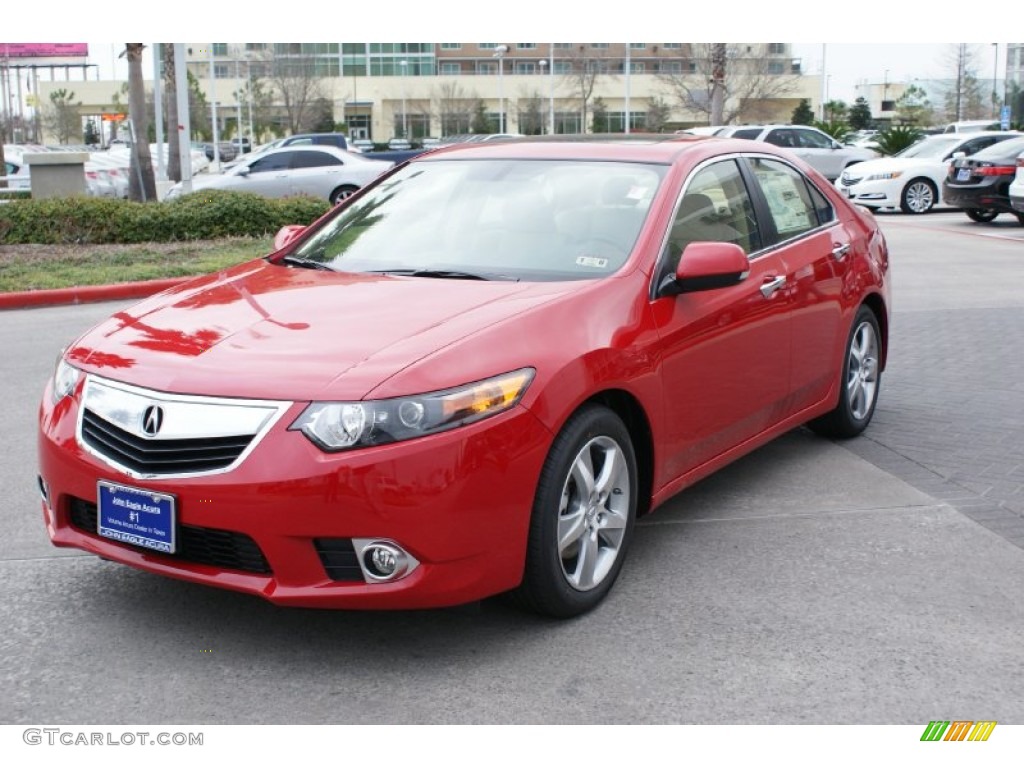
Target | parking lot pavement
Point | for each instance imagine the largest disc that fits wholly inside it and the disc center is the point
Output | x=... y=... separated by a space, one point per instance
x=950 y=419
x=811 y=582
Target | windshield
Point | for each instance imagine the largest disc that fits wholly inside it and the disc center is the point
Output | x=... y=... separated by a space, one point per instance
x=936 y=148
x=493 y=219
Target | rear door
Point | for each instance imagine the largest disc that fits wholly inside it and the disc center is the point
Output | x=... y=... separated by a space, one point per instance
x=804 y=233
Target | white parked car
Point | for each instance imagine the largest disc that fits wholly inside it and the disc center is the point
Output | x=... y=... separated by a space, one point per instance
x=1017 y=186
x=814 y=147
x=911 y=180
x=319 y=171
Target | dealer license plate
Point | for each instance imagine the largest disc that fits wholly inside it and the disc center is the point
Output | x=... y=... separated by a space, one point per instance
x=963 y=174
x=136 y=516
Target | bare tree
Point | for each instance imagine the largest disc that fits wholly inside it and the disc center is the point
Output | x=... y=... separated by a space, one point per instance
x=584 y=65
x=455 y=108
x=747 y=76
x=293 y=75
x=142 y=184
x=964 y=100
x=61 y=117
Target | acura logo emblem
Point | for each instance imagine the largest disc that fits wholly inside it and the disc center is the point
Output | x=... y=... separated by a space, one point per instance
x=152 y=420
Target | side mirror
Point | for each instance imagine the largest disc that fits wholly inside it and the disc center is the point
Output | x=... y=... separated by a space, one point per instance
x=286 y=234
x=706 y=266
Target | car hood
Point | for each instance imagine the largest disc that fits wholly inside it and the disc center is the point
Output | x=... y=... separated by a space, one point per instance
x=266 y=331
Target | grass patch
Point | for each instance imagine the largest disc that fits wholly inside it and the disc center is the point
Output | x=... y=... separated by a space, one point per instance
x=41 y=267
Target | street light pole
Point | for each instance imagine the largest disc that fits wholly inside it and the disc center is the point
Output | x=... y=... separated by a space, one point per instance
x=543 y=63
x=499 y=54
x=551 y=87
x=405 y=122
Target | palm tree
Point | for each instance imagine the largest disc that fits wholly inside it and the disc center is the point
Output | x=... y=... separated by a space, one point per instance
x=142 y=184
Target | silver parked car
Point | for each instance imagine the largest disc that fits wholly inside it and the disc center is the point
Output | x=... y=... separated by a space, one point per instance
x=814 y=147
x=319 y=171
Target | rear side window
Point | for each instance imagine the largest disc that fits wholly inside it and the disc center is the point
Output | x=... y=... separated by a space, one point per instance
x=314 y=160
x=795 y=205
x=746 y=133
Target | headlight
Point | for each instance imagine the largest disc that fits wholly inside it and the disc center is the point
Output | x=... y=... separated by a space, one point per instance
x=884 y=176
x=341 y=426
x=65 y=377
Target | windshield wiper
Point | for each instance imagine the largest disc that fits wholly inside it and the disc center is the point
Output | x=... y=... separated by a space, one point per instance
x=451 y=274
x=298 y=261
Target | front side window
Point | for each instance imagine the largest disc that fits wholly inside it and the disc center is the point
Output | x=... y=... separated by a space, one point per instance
x=276 y=162
x=795 y=206
x=497 y=219
x=716 y=207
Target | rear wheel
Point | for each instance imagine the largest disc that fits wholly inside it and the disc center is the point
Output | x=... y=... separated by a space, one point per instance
x=342 y=192
x=982 y=215
x=861 y=377
x=918 y=196
x=583 y=514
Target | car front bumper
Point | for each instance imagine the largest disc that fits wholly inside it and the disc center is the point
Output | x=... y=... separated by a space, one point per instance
x=458 y=502
x=873 y=194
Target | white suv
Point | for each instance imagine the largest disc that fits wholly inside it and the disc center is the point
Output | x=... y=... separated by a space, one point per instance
x=814 y=147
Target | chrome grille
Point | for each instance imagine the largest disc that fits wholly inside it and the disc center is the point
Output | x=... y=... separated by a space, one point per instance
x=160 y=457
x=145 y=433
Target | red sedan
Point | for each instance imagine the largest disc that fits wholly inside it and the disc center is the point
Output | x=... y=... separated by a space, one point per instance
x=472 y=376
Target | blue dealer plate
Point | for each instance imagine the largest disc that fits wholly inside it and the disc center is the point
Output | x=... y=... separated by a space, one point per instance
x=135 y=516
x=963 y=174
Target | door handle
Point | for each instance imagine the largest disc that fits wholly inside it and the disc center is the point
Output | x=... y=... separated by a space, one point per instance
x=771 y=285
x=839 y=251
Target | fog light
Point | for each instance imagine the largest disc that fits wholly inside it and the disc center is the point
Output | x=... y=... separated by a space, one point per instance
x=382 y=560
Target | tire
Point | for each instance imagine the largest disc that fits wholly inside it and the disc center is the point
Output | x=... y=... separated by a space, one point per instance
x=860 y=382
x=981 y=215
x=583 y=515
x=918 y=196
x=1020 y=218
x=342 y=192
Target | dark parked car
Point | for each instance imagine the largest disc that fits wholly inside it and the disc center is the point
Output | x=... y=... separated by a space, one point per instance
x=226 y=149
x=339 y=140
x=980 y=184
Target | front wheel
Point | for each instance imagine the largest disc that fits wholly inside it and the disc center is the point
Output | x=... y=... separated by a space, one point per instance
x=981 y=215
x=918 y=196
x=861 y=377
x=342 y=192
x=583 y=515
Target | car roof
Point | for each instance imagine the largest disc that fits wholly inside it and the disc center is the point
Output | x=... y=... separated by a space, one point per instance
x=658 y=148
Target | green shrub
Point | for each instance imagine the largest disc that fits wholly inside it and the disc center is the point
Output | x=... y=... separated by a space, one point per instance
x=896 y=139
x=198 y=216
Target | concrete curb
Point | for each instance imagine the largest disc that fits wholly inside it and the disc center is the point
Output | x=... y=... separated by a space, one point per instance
x=87 y=293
